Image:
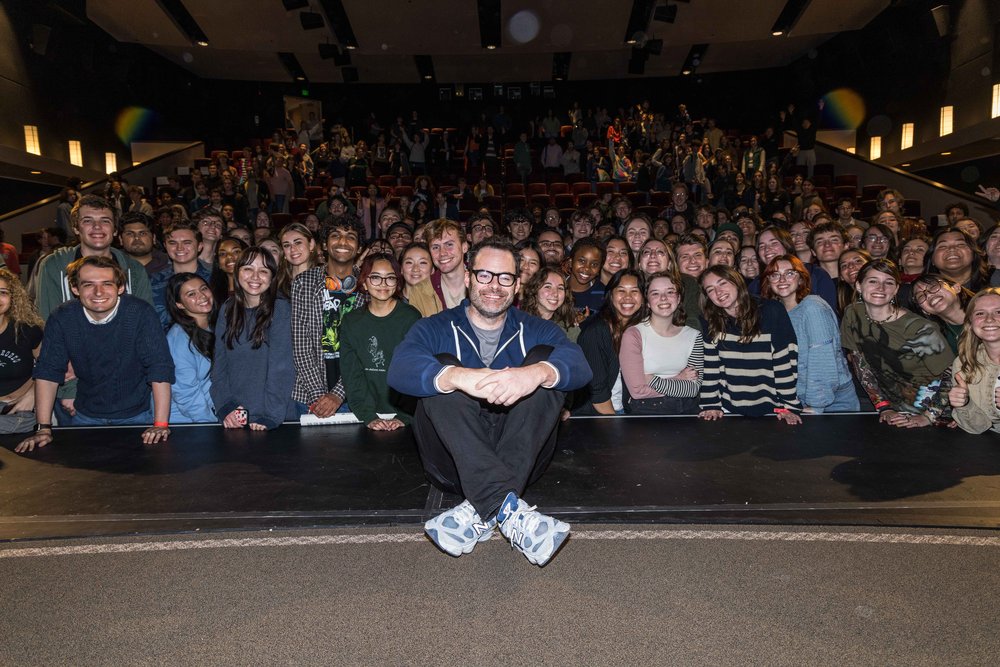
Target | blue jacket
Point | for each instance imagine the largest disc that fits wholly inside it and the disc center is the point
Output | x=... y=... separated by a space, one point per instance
x=190 y=397
x=414 y=366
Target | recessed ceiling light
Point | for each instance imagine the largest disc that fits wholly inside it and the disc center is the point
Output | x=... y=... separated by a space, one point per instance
x=351 y=47
x=630 y=41
x=905 y=164
x=778 y=33
x=36 y=173
x=201 y=42
x=491 y=46
x=685 y=72
x=946 y=153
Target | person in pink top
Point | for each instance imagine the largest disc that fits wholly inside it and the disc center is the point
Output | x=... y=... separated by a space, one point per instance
x=661 y=358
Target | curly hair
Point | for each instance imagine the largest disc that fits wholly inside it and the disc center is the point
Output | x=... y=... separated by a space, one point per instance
x=565 y=315
x=22 y=312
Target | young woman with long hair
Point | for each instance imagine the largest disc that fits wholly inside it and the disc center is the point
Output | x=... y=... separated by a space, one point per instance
x=547 y=295
x=975 y=398
x=252 y=371
x=20 y=342
x=750 y=351
x=824 y=382
x=900 y=358
x=662 y=359
x=193 y=310
x=368 y=338
x=600 y=341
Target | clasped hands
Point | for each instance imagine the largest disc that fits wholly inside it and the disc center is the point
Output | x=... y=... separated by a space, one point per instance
x=498 y=387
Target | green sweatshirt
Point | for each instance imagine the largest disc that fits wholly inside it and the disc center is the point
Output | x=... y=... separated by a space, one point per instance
x=53 y=286
x=366 y=347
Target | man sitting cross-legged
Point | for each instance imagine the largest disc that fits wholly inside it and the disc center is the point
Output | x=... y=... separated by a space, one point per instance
x=491 y=382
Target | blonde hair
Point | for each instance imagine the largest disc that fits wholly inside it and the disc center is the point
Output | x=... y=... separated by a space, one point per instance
x=969 y=343
x=22 y=311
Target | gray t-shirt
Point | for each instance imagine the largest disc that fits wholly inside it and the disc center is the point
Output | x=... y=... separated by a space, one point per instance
x=489 y=339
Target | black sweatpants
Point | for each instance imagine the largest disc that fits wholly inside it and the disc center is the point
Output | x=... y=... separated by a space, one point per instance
x=482 y=451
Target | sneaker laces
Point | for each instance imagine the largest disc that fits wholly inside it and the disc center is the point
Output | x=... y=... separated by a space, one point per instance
x=525 y=520
x=465 y=513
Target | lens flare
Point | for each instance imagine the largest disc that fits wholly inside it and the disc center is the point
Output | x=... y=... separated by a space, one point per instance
x=134 y=123
x=844 y=109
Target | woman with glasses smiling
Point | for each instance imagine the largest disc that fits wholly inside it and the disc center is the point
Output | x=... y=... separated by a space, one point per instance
x=824 y=382
x=368 y=338
x=943 y=303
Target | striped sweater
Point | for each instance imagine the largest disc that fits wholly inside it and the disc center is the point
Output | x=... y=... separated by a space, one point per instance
x=752 y=378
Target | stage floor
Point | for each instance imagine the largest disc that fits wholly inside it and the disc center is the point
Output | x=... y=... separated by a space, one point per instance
x=831 y=470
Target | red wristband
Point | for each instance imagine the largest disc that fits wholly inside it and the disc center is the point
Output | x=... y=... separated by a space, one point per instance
x=882 y=404
x=781 y=411
x=161 y=425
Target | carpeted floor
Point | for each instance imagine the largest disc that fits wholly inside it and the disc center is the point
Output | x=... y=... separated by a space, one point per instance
x=670 y=596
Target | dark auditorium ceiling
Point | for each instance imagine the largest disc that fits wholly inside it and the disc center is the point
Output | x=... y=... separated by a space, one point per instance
x=245 y=37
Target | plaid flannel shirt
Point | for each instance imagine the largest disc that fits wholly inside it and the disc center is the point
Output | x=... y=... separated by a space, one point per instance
x=307 y=336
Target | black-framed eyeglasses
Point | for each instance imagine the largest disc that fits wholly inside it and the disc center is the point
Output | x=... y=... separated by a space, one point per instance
x=484 y=277
x=376 y=279
x=934 y=288
x=481 y=228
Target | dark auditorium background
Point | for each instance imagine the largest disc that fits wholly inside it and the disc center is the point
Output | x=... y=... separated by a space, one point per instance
x=64 y=74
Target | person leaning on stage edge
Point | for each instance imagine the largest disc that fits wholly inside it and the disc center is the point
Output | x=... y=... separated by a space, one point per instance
x=490 y=380
x=321 y=296
x=118 y=351
x=94 y=222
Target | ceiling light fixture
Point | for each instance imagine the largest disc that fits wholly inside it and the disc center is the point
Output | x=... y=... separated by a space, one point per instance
x=182 y=18
x=292 y=66
x=425 y=67
x=695 y=57
x=638 y=20
x=340 y=24
x=489 y=23
x=788 y=17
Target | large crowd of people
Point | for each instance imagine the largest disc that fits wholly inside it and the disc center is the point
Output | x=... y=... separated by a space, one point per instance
x=700 y=273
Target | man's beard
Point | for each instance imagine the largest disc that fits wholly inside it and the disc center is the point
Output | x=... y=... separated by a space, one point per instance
x=488 y=311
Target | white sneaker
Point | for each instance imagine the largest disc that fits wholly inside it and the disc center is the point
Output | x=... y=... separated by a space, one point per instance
x=458 y=530
x=536 y=535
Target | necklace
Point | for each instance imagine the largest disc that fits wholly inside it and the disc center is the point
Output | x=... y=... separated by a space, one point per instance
x=891 y=317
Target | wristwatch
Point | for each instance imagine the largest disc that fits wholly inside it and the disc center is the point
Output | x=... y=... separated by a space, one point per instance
x=39 y=427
